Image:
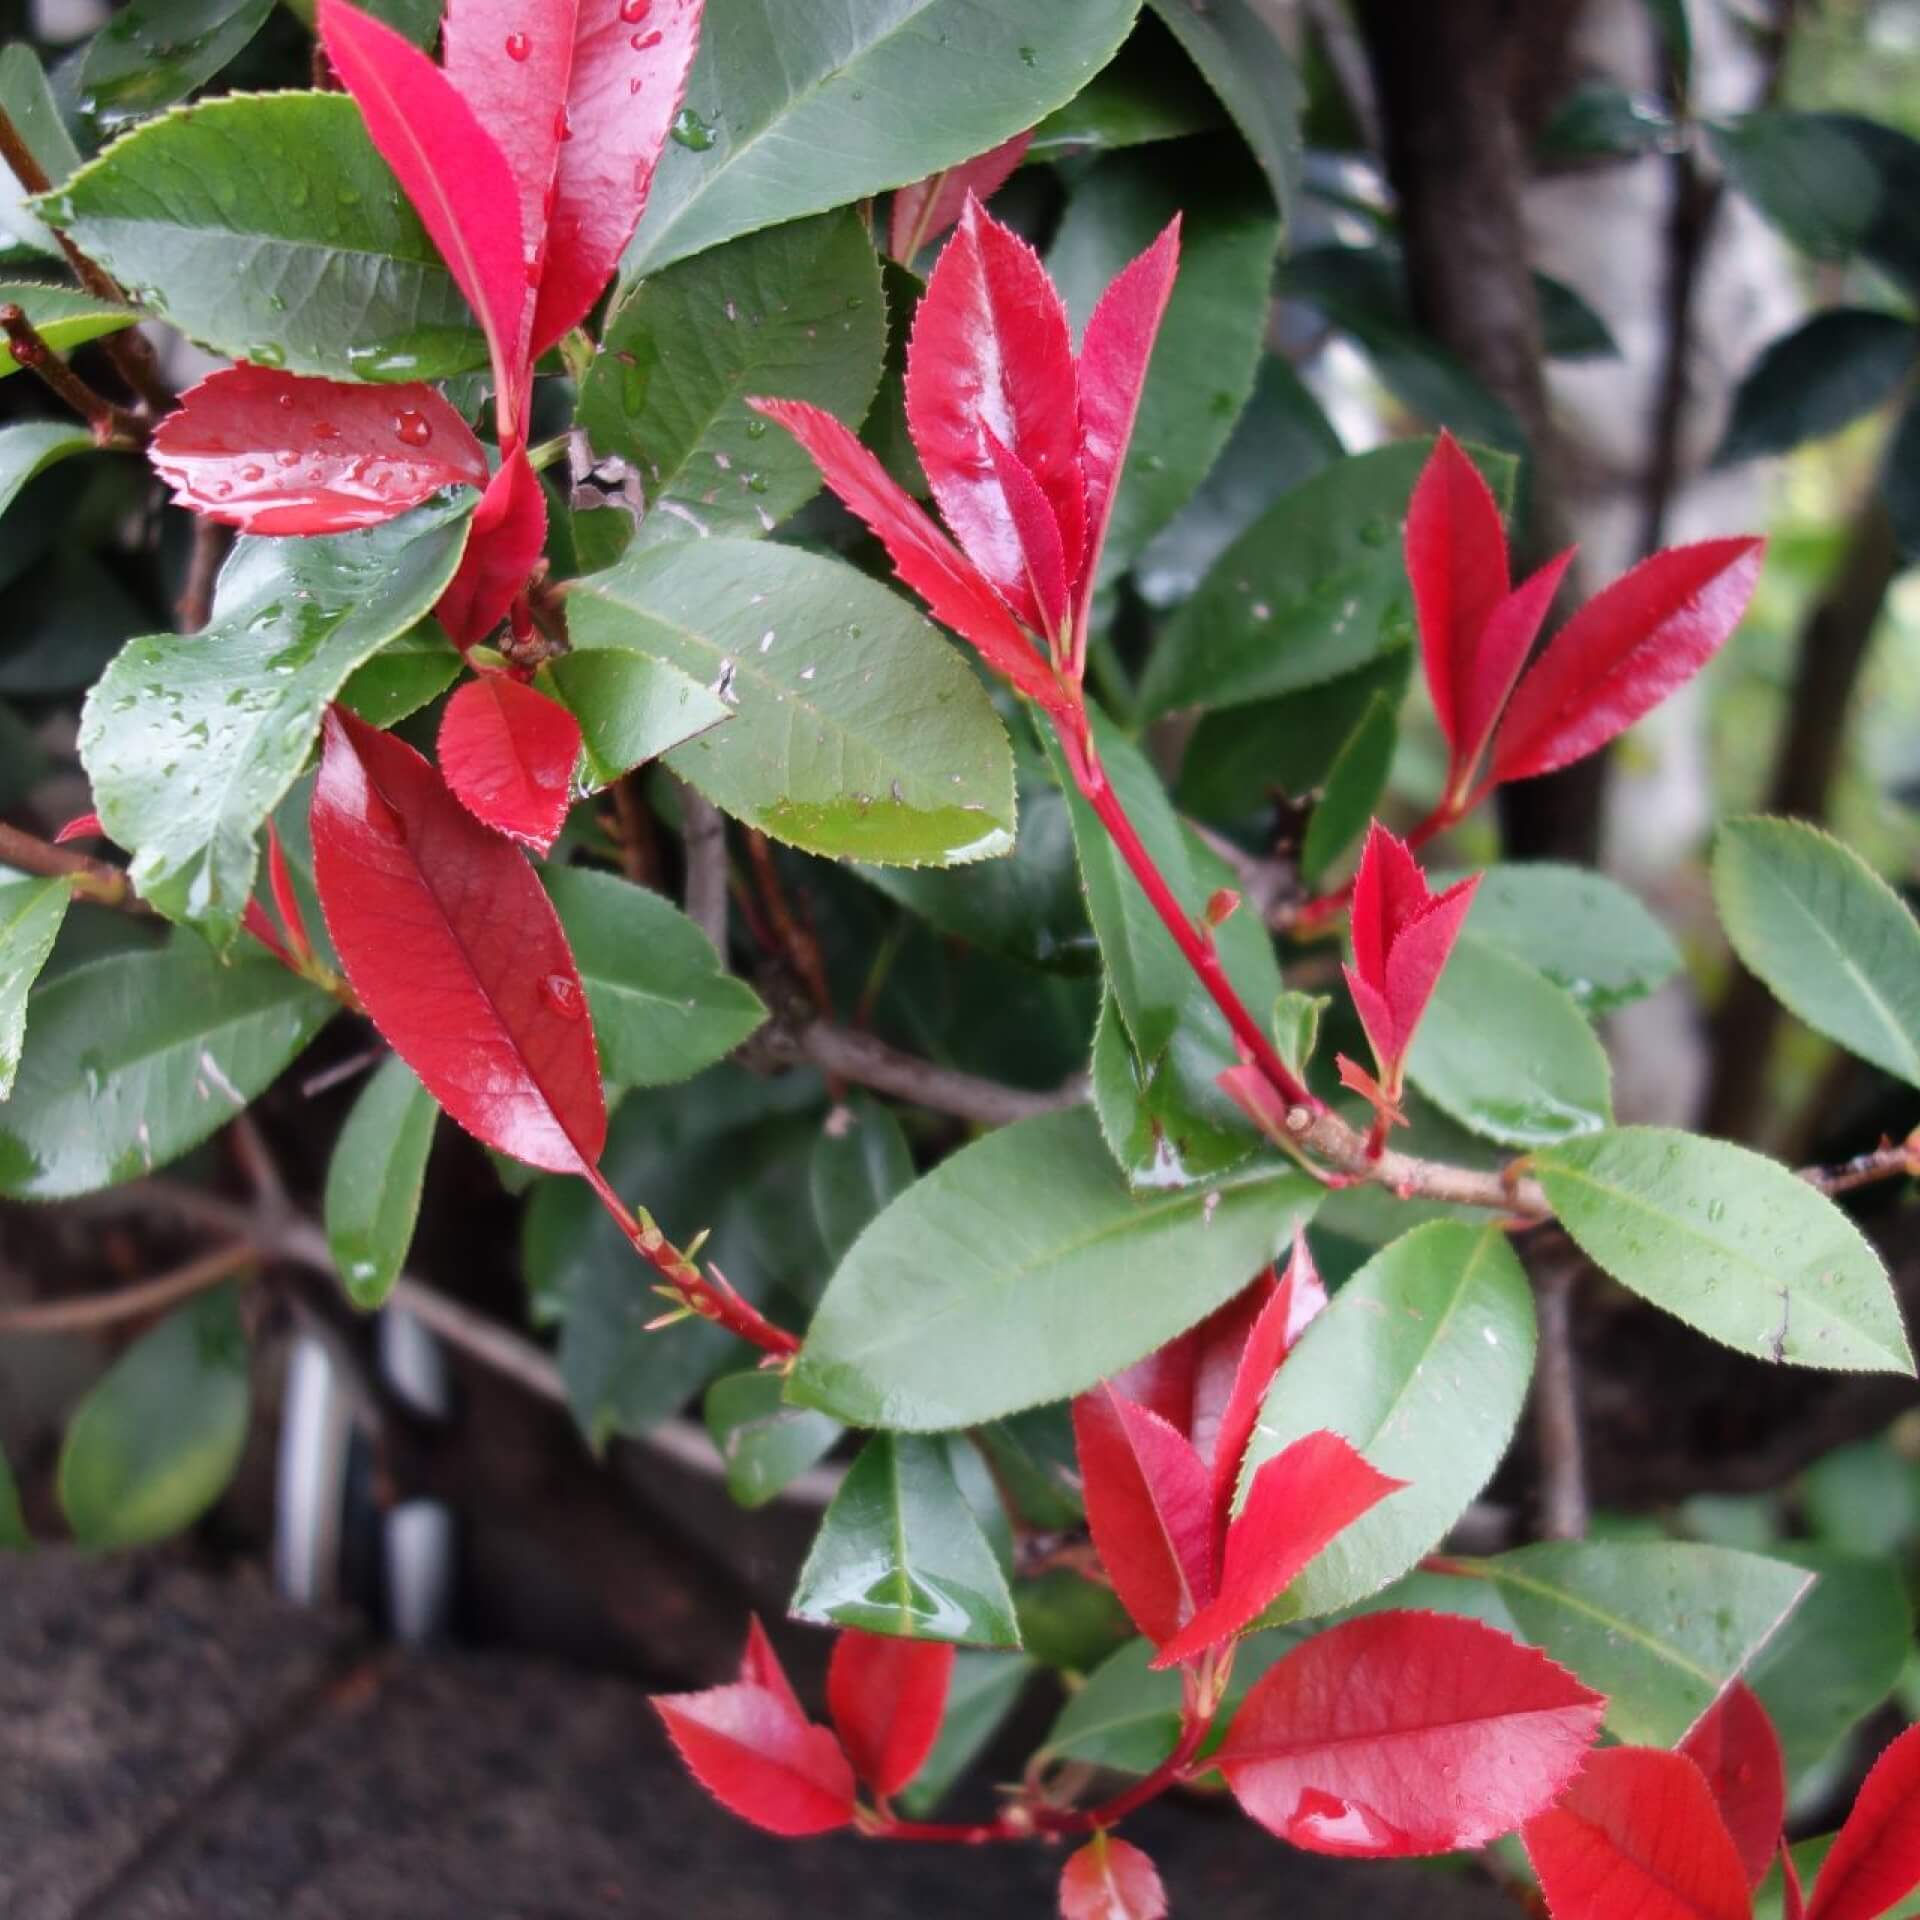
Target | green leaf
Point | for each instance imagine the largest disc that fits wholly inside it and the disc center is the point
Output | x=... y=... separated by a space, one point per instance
x=631 y=707
x=1817 y=379
x=1126 y=1717
x=155 y=52
x=1035 y=1464
x=1422 y=1362
x=63 y=317
x=1161 y=1135
x=861 y=1165
x=1670 y=16
x=663 y=1006
x=857 y=730
x=794 y=312
x=1603 y=120
x=155 y=1442
x=267 y=227
x=1312 y=590
x=134 y=1059
x=1149 y=92
x=1586 y=933
x=374 y=1178
x=13 y=1523
x=1830 y=938
x=794 y=109
x=410 y=670
x=1209 y=346
x=1862 y=1499
x=1659 y=1628
x=1021 y=1270
x=1355 y=782
x=30 y=915
x=1507 y=1053
x=1729 y=1242
x=31 y=448
x=764 y=1444
x=983 y=1690
x=1569 y=328
x=190 y=740
x=30 y=105
x=901 y=1552
x=1240 y=54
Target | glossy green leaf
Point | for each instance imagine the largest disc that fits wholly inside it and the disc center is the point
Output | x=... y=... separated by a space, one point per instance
x=374 y=1179
x=1355 y=782
x=794 y=312
x=62 y=316
x=1730 y=1242
x=900 y=1552
x=1312 y=590
x=154 y=52
x=1507 y=1053
x=30 y=915
x=1586 y=933
x=13 y=1523
x=861 y=1165
x=1149 y=92
x=983 y=1690
x=631 y=707
x=793 y=110
x=30 y=105
x=1817 y=379
x=1659 y=1628
x=1209 y=345
x=1602 y=120
x=764 y=1444
x=156 y=1440
x=133 y=1059
x=1239 y=52
x=266 y=226
x=410 y=670
x=1422 y=1362
x=857 y=731
x=1833 y=941
x=33 y=446
x=190 y=740
x=663 y=1006
x=1021 y=1270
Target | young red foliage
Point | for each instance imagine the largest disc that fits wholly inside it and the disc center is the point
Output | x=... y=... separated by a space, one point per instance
x=1407 y=1733
x=1638 y=1834
x=760 y=1667
x=275 y=453
x=1111 y=1879
x=1402 y=935
x=503 y=546
x=457 y=178
x=924 y=211
x=886 y=1696
x=1793 y=1900
x=509 y=754
x=286 y=901
x=455 y=951
x=1298 y=1501
x=1876 y=1860
x=83 y=826
x=1734 y=1745
x=1629 y=647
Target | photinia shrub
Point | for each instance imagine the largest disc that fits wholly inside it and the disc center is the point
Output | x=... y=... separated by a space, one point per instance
x=614 y=520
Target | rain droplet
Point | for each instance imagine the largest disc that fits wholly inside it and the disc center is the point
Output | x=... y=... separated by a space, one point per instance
x=411 y=428
x=518 y=46
x=252 y=474
x=645 y=42
x=562 y=126
x=634 y=11
x=690 y=131
x=1028 y=57
x=756 y=428
x=562 y=995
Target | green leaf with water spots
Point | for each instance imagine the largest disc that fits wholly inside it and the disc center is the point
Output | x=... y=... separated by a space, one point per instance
x=133 y=1059
x=30 y=915
x=900 y=1552
x=374 y=1179
x=1730 y=1242
x=155 y=1442
x=190 y=740
x=857 y=731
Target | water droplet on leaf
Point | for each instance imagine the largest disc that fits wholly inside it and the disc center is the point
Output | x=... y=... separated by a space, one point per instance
x=518 y=46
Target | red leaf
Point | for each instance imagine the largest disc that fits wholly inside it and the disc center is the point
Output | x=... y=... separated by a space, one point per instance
x=286 y=901
x=924 y=558
x=1299 y=1500
x=1505 y=642
x=83 y=826
x=1456 y=551
x=759 y=1759
x=453 y=171
x=1629 y=647
x=1114 y=353
x=1793 y=1902
x=455 y=950
x=1148 y=1509
x=509 y=530
x=1111 y=1879
x=1037 y=535
x=1404 y=1733
x=508 y=753
x=1638 y=1834
x=924 y=211
x=274 y=452
x=991 y=353
x=580 y=95
x=1876 y=1860
x=760 y=1667
x=1734 y=1745
x=886 y=1696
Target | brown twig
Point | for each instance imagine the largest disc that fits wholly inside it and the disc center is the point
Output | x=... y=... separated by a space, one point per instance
x=704 y=833
x=89 y=1312
x=93 y=879
x=1556 y=1401
x=112 y=426
x=865 y=1061
x=194 y=608
x=1885 y=1162
x=1344 y=1149
x=798 y=942
x=639 y=851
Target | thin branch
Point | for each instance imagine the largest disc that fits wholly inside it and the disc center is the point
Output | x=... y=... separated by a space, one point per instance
x=1556 y=1402
x=93 y=879
x=112 y=426
x=1344 y=1148
x=704 y=832
x=868 y=1062
x=89 y=1312
x=1886 y=1162
x=639 y=853
x=194 y=608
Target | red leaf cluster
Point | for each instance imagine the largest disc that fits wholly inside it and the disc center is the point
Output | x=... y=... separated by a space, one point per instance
x=921 y=213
